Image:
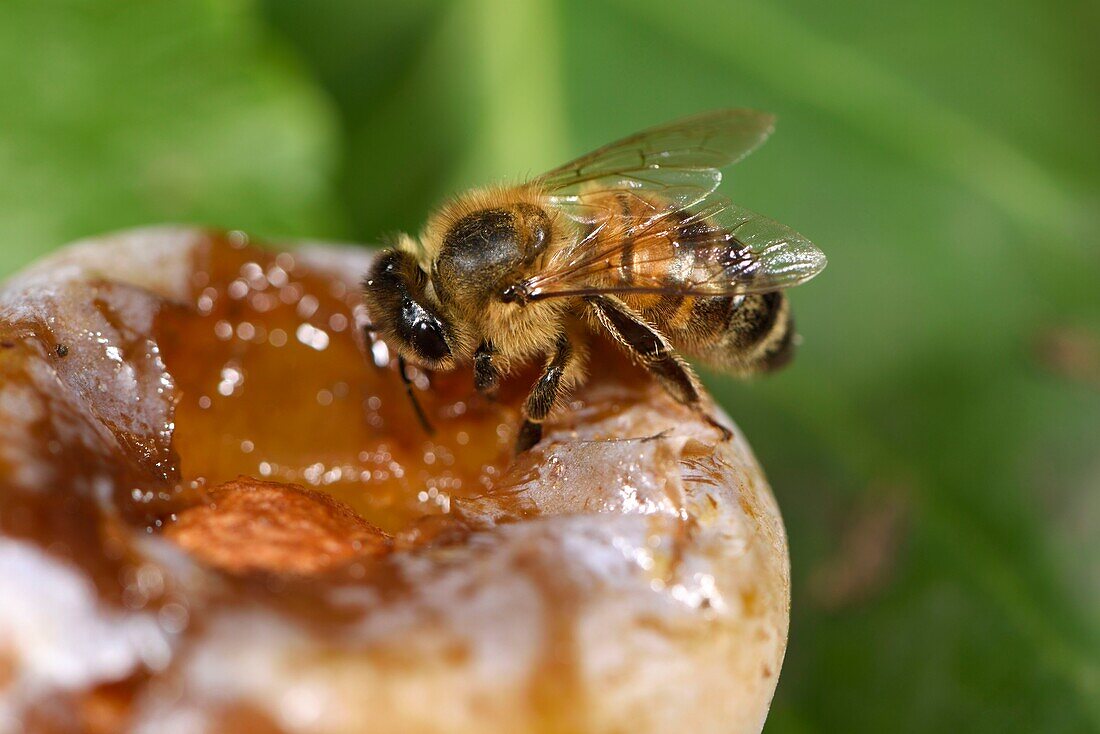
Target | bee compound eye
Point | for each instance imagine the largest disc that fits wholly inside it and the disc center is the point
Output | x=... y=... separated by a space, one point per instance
x=428 y=339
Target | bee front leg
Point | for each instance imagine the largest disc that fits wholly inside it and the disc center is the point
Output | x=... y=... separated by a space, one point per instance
x=650 y=347
x=486 y=373
x=546 y=393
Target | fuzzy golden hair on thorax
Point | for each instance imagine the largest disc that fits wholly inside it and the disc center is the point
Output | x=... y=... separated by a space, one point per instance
x=490 y=197
x=479 y=243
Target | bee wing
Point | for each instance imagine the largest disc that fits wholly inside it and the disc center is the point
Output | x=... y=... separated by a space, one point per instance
x=678 y=161
x=720 y=249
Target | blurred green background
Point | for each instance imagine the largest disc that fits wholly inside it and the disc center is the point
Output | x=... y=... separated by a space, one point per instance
x=936 y=446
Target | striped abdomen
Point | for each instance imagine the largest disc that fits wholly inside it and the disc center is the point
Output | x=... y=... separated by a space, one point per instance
x=738 y=334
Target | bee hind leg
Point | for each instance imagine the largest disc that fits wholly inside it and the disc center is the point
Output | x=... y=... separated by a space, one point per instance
x=545 y=394
x=650 y=347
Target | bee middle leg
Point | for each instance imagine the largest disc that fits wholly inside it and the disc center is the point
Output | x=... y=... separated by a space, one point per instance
x=656 y=354
x=545 y=394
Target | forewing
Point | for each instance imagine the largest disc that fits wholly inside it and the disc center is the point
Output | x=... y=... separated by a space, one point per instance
x=678 y=161
x=721 y=249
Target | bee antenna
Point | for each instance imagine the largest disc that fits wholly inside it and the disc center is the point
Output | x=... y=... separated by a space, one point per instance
x=412 y=398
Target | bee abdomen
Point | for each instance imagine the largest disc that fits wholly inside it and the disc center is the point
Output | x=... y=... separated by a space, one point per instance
x=740 y=334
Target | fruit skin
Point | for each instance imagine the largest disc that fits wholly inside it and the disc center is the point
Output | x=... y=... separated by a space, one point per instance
x=639 y=583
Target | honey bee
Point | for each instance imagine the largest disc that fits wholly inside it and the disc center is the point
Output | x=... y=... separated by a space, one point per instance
x=630 y=240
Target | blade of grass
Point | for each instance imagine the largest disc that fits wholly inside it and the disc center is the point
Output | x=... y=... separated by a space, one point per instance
x=516 y=50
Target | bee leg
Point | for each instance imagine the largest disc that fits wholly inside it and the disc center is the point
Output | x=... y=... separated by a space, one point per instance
x=486 y=373
x=547 y=391
x=650 y=347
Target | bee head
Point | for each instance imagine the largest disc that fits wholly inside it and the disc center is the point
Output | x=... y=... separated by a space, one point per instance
x=395 y=291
